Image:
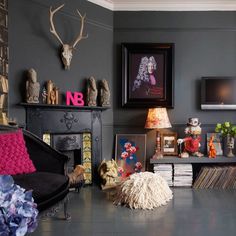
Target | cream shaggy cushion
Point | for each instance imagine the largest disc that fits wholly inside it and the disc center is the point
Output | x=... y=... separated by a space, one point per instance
x=143 y=190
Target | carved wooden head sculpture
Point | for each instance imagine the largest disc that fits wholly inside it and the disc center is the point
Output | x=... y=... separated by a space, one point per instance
x=67 y=49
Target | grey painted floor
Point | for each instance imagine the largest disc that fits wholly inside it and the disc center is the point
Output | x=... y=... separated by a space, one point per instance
x=190 y=213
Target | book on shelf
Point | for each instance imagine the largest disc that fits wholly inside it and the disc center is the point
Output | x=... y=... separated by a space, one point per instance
x=202 y=174
x=215 y=177
x=222 y=178
x=212 y=176
x=183 y=175
x=219 y=177
x=228 y=176
x=3 y=84
x=232 y=179
x=209 y=178
x=2 y=100
x=166 y=171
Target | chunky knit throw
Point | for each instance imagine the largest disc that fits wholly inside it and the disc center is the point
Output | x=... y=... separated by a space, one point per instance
x=143 y=190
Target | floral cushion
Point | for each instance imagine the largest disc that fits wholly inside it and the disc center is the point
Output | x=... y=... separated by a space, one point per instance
x=14 y=158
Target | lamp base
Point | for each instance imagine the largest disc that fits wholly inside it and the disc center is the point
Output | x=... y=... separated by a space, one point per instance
x=157 y=155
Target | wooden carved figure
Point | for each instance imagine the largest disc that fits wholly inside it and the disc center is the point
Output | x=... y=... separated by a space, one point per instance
x=56 y=89
x=212 y=149
x=92 y=92
x=49 y=90
x=32 y=87
x=104 y=94
x=53 y=97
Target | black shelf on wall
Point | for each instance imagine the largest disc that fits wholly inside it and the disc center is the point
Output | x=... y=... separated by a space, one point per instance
x=192 y=160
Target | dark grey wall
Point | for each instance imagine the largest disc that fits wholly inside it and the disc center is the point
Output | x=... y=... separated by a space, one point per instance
x=205 y=45
x=32 y=45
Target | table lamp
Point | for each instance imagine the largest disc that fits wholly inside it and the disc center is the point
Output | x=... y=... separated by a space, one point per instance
x=157 y=118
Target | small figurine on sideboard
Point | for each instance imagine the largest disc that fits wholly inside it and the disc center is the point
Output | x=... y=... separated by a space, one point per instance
x=212 y=149
x=192 y=139
x=32 y=87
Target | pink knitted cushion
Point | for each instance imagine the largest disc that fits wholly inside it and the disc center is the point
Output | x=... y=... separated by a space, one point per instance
x=14 y=158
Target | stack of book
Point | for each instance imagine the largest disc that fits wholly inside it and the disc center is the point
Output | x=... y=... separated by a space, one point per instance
x=220 y=177
x=166 y=171
x=183 y=175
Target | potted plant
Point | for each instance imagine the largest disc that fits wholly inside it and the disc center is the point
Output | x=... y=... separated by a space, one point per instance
x=229 y=131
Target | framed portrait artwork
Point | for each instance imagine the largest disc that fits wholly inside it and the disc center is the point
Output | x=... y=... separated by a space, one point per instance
x=169 y=144
x=130 y=153
x=147 y=75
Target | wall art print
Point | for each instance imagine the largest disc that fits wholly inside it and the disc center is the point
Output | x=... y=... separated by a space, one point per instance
x=147 y=75
x=130 y=153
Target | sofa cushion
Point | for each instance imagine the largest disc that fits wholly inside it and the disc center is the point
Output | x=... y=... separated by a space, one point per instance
x=14 y=158
x=48 y=188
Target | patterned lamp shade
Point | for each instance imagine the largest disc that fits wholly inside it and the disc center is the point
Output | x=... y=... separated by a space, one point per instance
x=157 y=118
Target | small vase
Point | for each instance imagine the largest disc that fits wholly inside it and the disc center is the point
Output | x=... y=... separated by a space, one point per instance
x=230 y=146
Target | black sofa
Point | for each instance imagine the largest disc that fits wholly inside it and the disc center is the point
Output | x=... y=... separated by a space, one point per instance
x=49 y=183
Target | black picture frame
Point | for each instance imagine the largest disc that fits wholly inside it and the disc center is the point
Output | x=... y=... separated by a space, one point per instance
x=148 y=75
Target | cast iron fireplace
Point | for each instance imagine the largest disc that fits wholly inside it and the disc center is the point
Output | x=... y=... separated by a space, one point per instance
x=76 y=130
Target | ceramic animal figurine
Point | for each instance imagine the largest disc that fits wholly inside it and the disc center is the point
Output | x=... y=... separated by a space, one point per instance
x=212 y=149
x=192 y=140
x=108 y=171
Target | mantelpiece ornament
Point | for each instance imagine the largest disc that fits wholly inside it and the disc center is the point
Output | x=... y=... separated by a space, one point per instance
x=69 y=120
x=36 y=113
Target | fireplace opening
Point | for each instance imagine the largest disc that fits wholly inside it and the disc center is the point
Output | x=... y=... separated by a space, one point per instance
x=74 y=159
x=70 y=145
x=78 y=147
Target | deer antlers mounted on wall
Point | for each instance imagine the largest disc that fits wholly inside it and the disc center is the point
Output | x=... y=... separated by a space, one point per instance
x=67 y=49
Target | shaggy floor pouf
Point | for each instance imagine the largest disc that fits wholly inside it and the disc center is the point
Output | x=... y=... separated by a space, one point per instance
x=143 y=190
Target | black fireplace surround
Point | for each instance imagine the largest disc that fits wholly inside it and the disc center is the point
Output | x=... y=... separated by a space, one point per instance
x=68 y=120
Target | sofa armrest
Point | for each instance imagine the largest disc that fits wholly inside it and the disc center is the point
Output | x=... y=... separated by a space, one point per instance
x=44 y=157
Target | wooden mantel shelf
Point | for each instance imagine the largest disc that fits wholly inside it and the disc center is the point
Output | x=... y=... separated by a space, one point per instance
x=192 y=160
x=40 y=105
